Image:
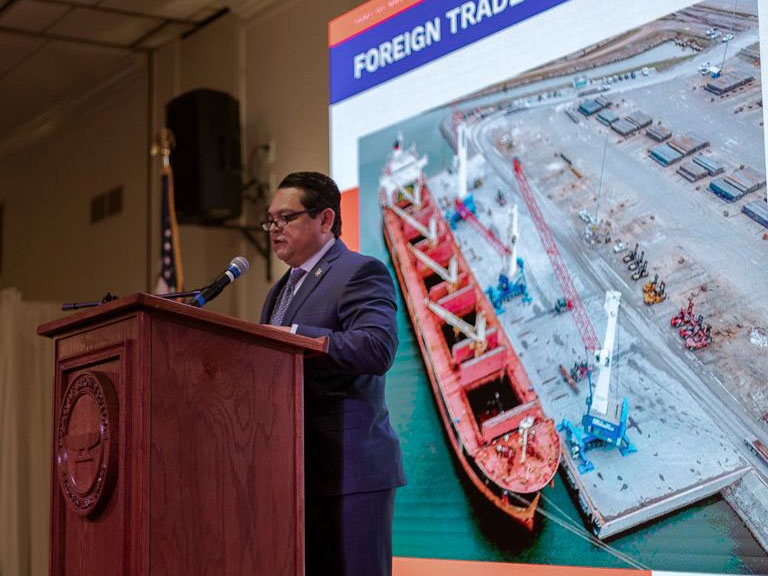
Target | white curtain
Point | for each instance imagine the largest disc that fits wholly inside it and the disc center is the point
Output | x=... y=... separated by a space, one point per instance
x=26 y=387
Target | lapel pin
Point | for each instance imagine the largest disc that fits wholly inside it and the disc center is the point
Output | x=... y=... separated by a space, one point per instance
x=319 y=272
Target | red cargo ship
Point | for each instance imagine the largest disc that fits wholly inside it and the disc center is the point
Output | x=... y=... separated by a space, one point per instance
x=505 y=443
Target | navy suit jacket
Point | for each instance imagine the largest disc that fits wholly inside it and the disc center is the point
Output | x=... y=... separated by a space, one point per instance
x=349 y=444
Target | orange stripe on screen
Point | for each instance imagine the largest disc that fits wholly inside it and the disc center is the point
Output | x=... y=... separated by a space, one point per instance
x=350 y=218
x=430 y=567
x=363 y=17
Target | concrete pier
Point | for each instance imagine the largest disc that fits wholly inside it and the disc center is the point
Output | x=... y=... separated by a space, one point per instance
x=748 y=498
x=683 y=455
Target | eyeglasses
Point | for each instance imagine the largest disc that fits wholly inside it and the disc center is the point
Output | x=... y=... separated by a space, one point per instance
x=282 y=219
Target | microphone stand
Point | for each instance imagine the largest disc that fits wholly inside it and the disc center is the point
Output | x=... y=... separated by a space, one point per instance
x=108 y=297
x=173 y=295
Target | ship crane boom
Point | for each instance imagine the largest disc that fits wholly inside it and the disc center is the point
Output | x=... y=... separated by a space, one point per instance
x=394 y=182
x=429 y=232
x=467 y=216
x=414 y=198
x=475 y=333
x=450 y=274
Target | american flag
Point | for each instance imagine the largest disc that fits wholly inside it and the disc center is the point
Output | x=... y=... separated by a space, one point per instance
x=171 y=277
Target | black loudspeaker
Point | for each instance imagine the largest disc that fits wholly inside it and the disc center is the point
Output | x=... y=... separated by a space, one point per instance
x=206 y=161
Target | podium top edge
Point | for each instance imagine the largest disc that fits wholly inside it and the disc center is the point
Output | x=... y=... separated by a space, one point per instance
x=155 y=305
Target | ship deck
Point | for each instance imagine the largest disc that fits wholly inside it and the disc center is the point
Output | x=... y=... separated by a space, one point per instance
x=493 y=458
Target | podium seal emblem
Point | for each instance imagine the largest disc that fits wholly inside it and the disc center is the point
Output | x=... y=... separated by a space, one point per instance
x=86 y=443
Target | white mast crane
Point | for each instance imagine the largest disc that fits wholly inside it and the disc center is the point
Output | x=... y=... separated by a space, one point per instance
x=598 y=426
x=604 y=356
x=461 y=152
x=512 y=235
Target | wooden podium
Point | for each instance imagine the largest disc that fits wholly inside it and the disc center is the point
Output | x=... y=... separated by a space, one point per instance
x=177 y=443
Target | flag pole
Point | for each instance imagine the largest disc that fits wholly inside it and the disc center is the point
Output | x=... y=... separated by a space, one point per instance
x=171 y=277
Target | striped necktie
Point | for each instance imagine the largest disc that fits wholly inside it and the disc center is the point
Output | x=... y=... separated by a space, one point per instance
x=286 y=295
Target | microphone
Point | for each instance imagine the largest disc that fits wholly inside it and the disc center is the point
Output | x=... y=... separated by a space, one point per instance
x=236 y=268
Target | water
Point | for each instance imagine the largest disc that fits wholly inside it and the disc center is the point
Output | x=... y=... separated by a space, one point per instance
x=440 y=515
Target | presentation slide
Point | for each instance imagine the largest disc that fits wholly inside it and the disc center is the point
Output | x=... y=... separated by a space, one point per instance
x=571 y=196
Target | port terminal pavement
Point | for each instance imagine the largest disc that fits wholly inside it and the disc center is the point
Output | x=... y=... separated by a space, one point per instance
x=687 y=432
x=682 y=457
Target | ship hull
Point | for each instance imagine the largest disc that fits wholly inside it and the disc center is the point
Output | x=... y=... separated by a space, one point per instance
x=476 y=444
x=525 y=515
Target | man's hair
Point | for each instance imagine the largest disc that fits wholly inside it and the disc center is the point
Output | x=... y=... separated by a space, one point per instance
x=320 y=192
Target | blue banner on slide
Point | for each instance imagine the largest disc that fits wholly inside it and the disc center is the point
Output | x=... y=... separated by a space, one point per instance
x=419 y=35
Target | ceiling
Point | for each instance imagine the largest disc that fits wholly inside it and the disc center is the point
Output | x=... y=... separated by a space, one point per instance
x=52 y=50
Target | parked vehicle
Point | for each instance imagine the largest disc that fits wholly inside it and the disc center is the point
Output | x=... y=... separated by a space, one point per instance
x=585 y=216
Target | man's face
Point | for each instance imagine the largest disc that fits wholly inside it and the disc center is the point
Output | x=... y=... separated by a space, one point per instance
x=296 y=241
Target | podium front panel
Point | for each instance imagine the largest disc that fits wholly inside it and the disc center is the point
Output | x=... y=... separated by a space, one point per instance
x=97 y=483
x=178 y=443
x=225 y=455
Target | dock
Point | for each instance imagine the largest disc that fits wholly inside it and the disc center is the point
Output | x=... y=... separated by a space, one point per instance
x=683 y=456
x=657 y=504
x=687 y=410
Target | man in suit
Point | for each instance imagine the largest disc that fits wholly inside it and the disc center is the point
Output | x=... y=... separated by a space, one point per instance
x=351 y=453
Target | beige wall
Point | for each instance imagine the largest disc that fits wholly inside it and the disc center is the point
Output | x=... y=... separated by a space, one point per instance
x=51 y=251
x=275 y=64
x=286 y=87
x=207 y=59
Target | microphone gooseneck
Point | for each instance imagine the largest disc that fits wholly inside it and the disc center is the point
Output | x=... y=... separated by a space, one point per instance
x=236 y=268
